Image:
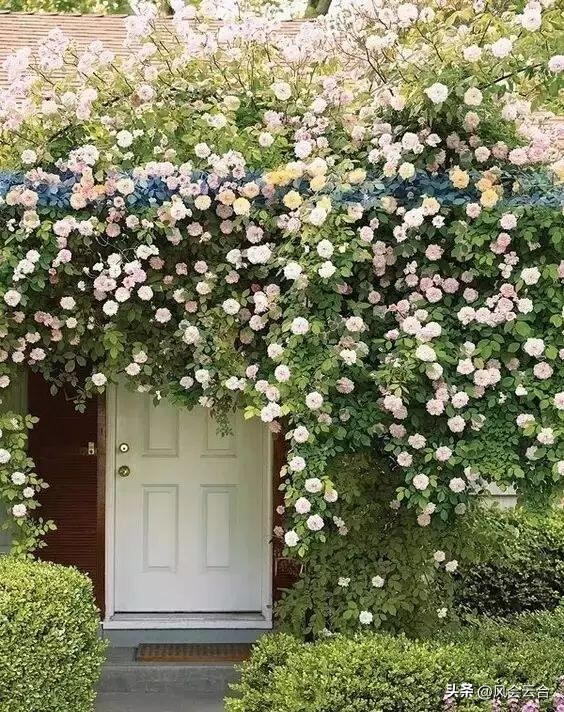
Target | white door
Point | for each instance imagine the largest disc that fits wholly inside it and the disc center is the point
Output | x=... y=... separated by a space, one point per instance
x=190 y=529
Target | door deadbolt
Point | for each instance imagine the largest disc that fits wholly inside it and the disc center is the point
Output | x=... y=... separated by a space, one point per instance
x=124 y=471
x=124 y=447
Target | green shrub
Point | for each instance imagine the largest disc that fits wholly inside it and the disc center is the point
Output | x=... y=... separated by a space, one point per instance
x=50 y=648
x=525 y=571
x=396 y=549
x=384 y=673
x=509 y=562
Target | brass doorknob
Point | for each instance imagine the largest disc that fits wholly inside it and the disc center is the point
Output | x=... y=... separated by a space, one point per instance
x=124 y=471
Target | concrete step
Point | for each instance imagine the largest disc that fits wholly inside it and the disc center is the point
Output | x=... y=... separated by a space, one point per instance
x=122 y=673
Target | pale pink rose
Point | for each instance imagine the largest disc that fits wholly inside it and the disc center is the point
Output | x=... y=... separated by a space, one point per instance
x=434 y=252
x=435 y=406
x=543 y=370
x=315 y=523
x=420 y=482
x=404 y=459
x=302 y=505
x=443 y=453
x=508 y=221
x=417 y=441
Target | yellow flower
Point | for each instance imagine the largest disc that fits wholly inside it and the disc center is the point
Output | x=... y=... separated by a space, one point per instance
x=241 y=206
x=226 y=197
x=317 y=182
x=280 y=176
x=356 y=176
x=325 y=203
x=557 y=169
x=295 y=169
x=459 y=178
x=484 y=184
x=292 y=200
x=430 y=206
x=489 y=198
x=203 y=202
x=389 y=203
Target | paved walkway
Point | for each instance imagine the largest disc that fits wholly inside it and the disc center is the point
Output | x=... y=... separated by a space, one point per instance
x=157 y=702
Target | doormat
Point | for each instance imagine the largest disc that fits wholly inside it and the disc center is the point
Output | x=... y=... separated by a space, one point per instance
x=193 y=653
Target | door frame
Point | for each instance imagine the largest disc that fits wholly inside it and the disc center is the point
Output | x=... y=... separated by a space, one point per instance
x=181 y=621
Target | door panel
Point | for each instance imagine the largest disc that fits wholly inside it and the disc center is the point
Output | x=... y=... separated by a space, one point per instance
x=59 y=444
x=190 y=533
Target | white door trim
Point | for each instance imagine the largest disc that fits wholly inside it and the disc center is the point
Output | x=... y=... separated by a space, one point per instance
x=187 y=621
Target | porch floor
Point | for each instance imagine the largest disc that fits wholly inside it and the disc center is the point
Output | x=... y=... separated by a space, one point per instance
x=127 y=684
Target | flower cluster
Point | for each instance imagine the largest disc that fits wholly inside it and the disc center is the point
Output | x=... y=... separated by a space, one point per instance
x=364 y=256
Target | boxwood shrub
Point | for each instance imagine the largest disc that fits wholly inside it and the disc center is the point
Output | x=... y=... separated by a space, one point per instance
x=525 y=571
x=50 y=648
x=384 y=673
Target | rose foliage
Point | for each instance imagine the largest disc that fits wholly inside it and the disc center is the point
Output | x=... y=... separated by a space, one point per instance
x=354 y=233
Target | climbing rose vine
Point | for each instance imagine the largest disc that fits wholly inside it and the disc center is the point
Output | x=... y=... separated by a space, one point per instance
x=354 y=234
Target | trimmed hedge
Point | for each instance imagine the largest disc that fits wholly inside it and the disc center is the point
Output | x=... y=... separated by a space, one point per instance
x=525 y=572
x=384 y=673
x=50 y=648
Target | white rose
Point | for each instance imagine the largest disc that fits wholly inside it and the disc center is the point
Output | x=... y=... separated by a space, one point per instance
x=124 y=139
x=67 y=303
x=281 y=90
x=530 y=275
x=98 y=379
x=19 y=510
x=472 y=53
x=437 y=92
x=291 y=538
x=297 y=464
x=315 y=523
x=302 y=505
x=425 y=353
x=110 y=307
x=29 y=156
x=299 y=326
x=420 y=482
x=191 y=335
x=317 y=216
x=292 y=270
x=301 y=434
x=231 y=306
x=133 y=369
x=473 y=96
x=313 y=485
x=502 y=47
x=325 y=249
x=18 y=478
x=457 y=484
x=327 y=270
x=282 y=373
x=12 y=298
x=533 y=347
x=314 y=400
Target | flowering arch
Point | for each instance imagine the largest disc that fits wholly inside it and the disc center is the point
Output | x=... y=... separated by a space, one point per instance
x=372 y=260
